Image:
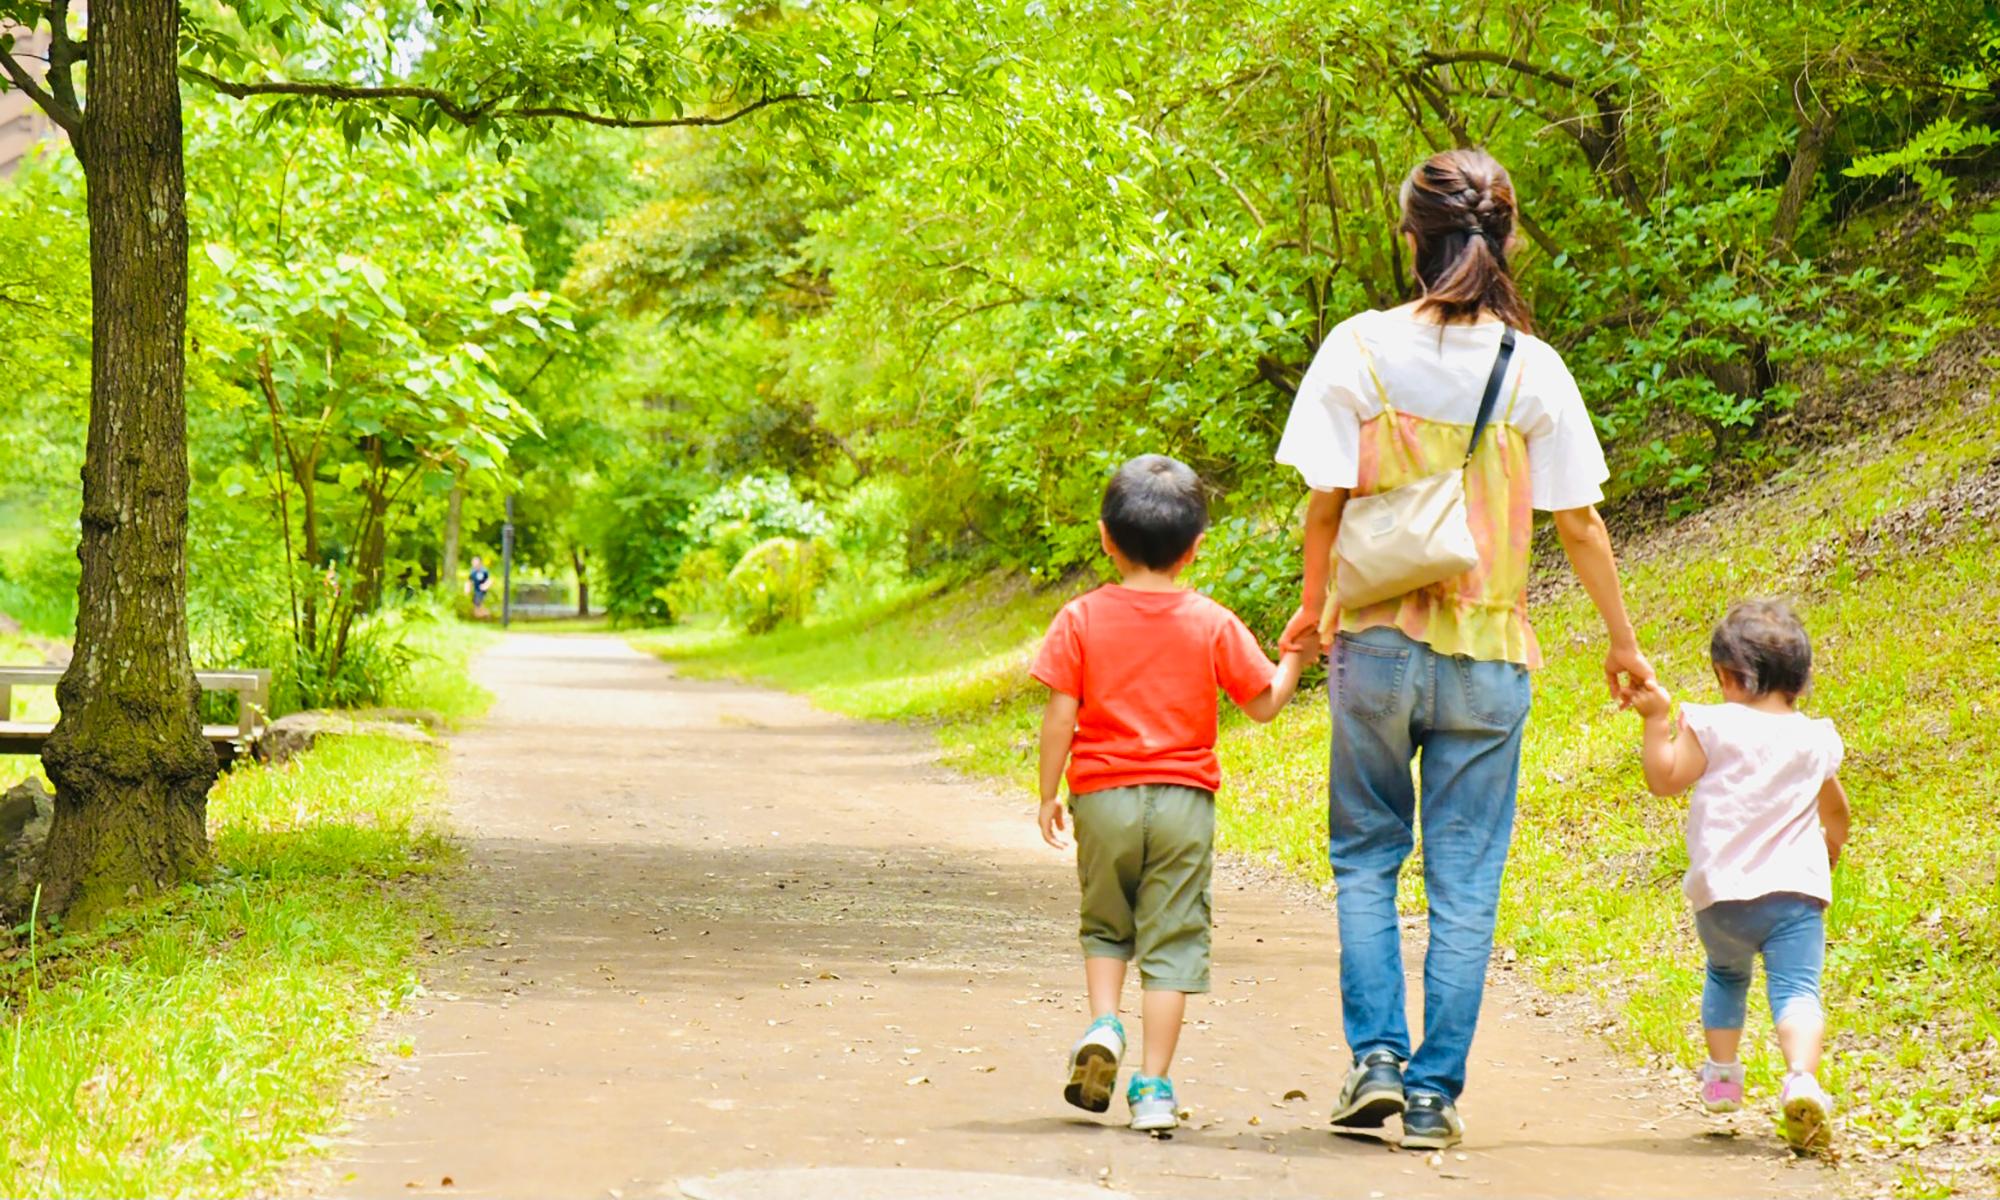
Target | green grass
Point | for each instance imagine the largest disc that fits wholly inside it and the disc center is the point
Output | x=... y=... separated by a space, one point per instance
x=190 y=1046
x=1907 y=657
x=597 y=624
x=438 y=679
x=194 y=1045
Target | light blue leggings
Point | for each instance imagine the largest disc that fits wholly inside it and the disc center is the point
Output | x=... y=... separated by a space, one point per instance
x=1788 y=929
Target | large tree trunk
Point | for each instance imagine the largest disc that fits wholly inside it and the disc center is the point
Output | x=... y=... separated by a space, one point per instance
x=130 y=766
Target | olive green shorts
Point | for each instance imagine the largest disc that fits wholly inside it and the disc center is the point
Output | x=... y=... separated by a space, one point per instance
x=1145 y=855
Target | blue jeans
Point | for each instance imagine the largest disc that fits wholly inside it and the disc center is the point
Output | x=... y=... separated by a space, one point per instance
x=1789 y=930
x=1394 y=700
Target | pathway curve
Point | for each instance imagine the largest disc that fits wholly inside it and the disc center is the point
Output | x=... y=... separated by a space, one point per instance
x=718 y=930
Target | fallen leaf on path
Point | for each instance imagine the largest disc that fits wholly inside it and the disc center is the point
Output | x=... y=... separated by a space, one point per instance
x=445 y=1182
x=914 y=1080
x=1295 y=1094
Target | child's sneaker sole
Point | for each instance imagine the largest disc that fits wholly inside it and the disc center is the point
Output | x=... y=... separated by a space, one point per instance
x=1156 y=1122
x=1806 y=1128
x=1093 y=1076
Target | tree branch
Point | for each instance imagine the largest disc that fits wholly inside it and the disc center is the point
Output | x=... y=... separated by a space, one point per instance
x=62 y=57
x=7 y=298
x=1434 y=58
x=62 y=114
x=486 y=110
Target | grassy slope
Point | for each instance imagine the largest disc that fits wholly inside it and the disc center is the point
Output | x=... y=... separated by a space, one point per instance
x=193 y=1045
x=1907 y=656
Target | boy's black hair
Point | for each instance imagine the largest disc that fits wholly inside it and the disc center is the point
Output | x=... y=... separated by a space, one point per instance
x=1762 y=644
x=1154 y=510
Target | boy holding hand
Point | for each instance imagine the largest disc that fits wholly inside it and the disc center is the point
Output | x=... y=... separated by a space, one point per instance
x=1133 y=669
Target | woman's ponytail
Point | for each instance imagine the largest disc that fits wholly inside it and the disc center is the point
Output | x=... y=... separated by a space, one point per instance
x=1458 y=206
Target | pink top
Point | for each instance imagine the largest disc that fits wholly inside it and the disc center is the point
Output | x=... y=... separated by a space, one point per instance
x=1753 y=818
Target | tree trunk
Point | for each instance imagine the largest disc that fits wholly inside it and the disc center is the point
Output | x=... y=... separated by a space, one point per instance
x=449 y=570
x=372 y=540
x=128 y=760
x=582 y=581
x=1816 y=123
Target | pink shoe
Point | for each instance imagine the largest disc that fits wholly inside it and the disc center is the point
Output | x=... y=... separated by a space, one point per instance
x=1808 y=1110
x=1721 y=1086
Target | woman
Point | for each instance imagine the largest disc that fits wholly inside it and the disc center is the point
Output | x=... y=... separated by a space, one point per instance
x=1441 y=673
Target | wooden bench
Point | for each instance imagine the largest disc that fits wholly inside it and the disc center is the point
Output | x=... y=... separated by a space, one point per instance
x=253 y=702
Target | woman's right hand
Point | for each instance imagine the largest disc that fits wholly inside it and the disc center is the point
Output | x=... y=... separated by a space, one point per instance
x=1626 y=673
x=1303 y=622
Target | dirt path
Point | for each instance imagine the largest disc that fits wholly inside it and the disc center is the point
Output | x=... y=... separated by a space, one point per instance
x=724 y=931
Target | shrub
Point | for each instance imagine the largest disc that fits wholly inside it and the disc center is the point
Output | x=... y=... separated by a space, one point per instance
x=774 y=583
x=642 y=517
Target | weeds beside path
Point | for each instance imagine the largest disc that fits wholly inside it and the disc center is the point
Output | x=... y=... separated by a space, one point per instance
x=192 y=1045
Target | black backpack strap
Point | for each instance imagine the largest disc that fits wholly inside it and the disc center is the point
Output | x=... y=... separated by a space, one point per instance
x=1492 y=396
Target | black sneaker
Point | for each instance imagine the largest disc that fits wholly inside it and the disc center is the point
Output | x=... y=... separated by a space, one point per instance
x=1430 y=1122
x=1373 y=1092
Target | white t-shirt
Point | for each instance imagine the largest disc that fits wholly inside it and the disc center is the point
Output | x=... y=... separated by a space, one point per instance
x=1753 y=817
x=1439 y=372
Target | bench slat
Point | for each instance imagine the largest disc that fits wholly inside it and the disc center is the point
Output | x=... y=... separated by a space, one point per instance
x=252 y=686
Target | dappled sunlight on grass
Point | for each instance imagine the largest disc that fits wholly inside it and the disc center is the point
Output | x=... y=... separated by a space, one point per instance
x=191 y=1045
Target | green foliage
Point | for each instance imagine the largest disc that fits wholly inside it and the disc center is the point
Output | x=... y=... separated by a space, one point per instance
x=774 y=583
x=1967 y=283
x=724 y=237
x=741 y=515
x=1943 y=139
x=757 y=554
x=642 y=530
x=1249 y=564
x=360 y=374
x=38 y=578
x=871 y=526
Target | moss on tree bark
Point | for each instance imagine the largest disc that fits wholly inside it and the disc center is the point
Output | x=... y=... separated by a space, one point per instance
x=130 y=765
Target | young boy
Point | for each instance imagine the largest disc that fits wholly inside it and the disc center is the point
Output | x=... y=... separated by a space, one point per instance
x=1132 y=670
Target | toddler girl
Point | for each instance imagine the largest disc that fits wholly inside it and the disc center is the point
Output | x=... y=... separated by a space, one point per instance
x=1764 y=829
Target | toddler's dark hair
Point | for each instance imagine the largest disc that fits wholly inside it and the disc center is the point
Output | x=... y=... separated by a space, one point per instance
x=1154 y=510
x=1762 y=643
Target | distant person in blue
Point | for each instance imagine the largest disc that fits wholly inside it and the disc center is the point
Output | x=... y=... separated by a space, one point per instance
x=481 y=579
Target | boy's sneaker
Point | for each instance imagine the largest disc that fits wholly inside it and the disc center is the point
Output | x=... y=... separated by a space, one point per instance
x=1807 y=1111
x=1093 y=1065
x=1152 y=1101
x=1721 y=1086
x=1430 y=1122
x=1373 y=1092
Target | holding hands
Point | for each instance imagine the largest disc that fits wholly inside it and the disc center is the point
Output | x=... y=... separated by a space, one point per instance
x=1628 y=676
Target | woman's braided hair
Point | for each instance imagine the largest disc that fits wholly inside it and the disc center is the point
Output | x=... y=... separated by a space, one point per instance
x=1459 y=206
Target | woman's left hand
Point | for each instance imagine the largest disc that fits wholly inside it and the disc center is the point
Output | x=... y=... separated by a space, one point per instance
x=1304 y=622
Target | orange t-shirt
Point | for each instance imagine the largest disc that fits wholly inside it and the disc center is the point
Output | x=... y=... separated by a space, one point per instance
x=1145 y=667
